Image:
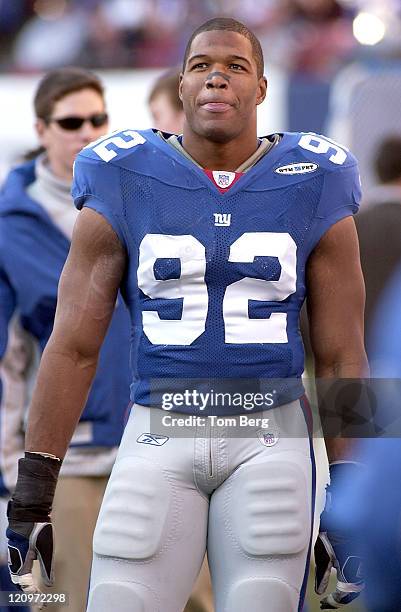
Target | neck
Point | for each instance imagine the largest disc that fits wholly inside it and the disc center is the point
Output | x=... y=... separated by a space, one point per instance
x=45 y=172
x=219 y=156
x=60 y=171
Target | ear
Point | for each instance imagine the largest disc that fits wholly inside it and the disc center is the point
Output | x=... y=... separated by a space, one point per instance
x=180 y=86
x=41 y=130
x=262 y=90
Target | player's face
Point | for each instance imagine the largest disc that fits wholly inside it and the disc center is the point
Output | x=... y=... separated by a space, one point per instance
x=219 y=87
x=62 y=145
x=165 y=116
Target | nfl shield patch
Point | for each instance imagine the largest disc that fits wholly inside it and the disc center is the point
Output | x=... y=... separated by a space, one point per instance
x=223 y=179
x=268 y=438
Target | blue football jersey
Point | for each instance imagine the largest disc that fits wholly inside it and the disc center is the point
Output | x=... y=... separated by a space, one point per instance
x=215 y=281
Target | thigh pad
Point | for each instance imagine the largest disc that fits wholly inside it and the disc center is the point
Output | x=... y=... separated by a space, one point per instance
x=271 y=509
x=265 y=594
x=121 y=596
x=134 y=511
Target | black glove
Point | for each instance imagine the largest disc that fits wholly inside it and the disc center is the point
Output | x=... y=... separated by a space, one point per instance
x=30 y=532
x=337 y=548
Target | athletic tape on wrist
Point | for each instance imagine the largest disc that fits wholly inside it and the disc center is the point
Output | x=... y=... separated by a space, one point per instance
x=34 y=492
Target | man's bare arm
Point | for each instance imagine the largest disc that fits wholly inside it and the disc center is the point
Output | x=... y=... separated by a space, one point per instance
x=336 y=299
x=86 y=300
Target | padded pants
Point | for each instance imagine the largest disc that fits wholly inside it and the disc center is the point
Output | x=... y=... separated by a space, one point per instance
x=246 y=496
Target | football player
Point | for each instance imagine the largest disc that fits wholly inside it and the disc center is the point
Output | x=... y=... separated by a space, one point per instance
x=214 y=238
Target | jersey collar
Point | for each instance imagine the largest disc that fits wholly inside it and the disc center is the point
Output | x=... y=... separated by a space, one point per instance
x=263 y=165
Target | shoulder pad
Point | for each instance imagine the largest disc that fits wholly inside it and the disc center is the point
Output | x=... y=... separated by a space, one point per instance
x=114 y=145
x=324 y=151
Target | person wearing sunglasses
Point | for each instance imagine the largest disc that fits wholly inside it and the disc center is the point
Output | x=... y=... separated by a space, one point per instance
x=37 y=216
x=68 y=123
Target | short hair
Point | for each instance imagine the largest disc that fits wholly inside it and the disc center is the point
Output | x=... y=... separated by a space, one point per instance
x=229 y=25
x=388 y=159
x=60 y=82
x=167 y=83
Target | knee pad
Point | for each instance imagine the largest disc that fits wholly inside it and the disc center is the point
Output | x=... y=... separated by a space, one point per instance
x=134 y=511
x=272 y=509
x=265 y=594
x=121 y=596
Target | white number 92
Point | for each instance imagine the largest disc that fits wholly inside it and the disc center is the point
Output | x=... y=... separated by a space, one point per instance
x=192 y=288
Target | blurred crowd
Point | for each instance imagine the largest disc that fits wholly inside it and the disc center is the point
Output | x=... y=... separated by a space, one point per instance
x=39 y=35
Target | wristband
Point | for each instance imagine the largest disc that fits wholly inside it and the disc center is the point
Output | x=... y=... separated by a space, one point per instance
x=34 y=492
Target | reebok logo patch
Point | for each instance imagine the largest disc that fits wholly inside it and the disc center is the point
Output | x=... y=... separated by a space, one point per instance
x=153 y=439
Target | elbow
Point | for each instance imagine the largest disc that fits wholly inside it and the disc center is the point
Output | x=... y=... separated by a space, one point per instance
x=342 y=355
x=83 y=358
x=342 y=366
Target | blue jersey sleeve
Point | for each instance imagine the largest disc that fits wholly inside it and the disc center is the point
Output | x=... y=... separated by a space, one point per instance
x=340 y=198
x=97 y=186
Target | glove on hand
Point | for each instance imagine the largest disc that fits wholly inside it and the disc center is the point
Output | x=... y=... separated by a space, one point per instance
x=27 y=542
x=30 y=532
x=337 y=547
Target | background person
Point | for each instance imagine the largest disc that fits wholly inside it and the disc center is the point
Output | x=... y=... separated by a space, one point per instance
x=165 y=104
x=370 y=503
x=37 y=217
x=379 y=229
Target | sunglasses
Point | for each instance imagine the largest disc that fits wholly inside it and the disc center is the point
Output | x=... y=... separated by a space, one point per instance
x=75 y=123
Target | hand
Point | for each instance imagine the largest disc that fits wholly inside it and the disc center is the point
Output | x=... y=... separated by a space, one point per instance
x=30 y=532
x=26 y=542
x=337 y=547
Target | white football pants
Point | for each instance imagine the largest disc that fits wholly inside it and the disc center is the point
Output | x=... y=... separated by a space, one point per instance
x=249 y=499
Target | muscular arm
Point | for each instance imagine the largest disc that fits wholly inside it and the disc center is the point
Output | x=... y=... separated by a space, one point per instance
x=86 y=299
x=336 y=298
